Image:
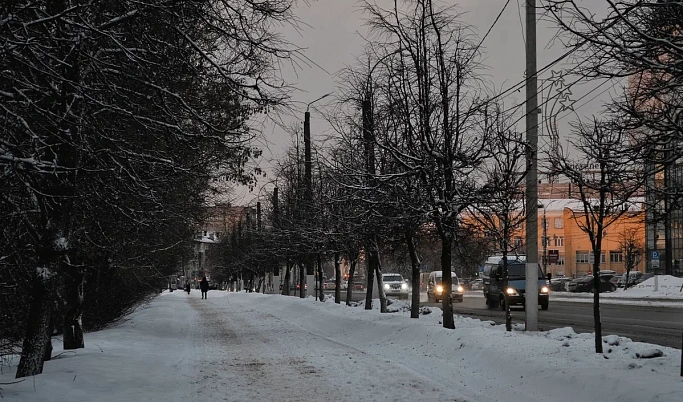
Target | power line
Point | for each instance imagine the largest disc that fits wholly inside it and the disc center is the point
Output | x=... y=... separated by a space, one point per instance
x=491 y=28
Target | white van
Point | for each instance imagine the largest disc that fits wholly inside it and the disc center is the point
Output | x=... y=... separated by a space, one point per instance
x=435 y=290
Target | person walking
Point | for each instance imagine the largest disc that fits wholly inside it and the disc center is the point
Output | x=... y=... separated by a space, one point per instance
x=204 y=286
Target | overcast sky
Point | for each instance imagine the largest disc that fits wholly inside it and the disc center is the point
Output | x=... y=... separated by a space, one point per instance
x=333 y=33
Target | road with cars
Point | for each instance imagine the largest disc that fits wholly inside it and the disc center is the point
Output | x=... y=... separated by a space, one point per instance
x=651 y=324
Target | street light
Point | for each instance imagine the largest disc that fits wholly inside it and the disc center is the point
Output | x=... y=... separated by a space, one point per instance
x=312 y=102
x=308 y=184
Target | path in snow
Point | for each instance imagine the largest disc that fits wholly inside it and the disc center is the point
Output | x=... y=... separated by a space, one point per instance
x=252 y=355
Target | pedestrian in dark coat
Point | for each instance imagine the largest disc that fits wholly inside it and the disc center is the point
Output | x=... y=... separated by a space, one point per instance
x=204 y=286
x=187 y=287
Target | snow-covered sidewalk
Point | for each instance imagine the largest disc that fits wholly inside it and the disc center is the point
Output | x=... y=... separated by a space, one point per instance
x=243 y=347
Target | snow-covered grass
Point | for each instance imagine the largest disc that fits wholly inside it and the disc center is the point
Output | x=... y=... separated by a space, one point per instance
x=238 y=346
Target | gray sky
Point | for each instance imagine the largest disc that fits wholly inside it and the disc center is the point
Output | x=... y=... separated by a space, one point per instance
x=335 y=35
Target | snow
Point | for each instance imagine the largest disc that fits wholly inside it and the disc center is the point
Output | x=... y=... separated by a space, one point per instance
x=668 y=289
x=44 y=273
x=249 y=346
x=61 y=244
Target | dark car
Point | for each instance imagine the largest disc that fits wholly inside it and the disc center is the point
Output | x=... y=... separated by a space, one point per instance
x=585 y=284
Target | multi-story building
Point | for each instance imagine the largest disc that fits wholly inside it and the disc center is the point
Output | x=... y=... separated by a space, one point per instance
x=221 y=220
x=564 y=249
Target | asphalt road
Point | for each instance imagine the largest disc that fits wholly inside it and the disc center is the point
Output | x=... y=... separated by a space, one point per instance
x=657 y=325
x=651 y=324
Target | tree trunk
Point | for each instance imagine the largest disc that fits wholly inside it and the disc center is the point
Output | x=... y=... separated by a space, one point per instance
x=73 y=291
x=350 y=284
x=37 y=336
x=415 y=280
x=508 y=315
x=380 y=282
x=285 y=285
x=446 y=282
x=321 y=295
x=371 y=277
x=337 y=278
x=596 y=299
x=302 y=280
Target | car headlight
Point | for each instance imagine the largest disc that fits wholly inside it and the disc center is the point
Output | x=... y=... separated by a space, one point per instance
x=461 y=289
x=545 y=289
x=511 y=292
x=386 y=286
x=439 y=289
x=404 y=286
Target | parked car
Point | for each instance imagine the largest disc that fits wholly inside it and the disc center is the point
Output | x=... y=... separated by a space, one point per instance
x=585 y=284
x=558 y=284
x=644 y=277
x=633 y=278
x=615 y=280
x=394 y=285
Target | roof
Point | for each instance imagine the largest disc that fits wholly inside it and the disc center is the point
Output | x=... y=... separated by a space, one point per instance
x=559 y=204
x=511 y=257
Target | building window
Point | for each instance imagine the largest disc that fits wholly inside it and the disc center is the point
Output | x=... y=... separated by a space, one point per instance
x=559 y=223
x=559 y=241
x=602 y=257
x=582 y=257
x=560 y=260
x=518 y=242
x=616 y=257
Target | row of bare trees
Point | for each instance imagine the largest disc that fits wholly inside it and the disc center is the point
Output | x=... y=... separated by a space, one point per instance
x=422 y=150
x=115 y=118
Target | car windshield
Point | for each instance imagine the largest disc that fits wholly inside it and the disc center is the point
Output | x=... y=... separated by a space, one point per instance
x=454 y=281
x=519 y=270
x=392 y=278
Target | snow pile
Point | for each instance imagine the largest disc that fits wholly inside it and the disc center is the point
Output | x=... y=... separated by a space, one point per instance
x=667 y=287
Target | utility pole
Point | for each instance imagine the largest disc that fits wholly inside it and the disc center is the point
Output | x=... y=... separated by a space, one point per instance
x=531 y=291
x=545 y=244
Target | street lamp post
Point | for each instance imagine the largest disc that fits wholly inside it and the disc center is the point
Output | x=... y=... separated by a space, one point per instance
x=308 y=188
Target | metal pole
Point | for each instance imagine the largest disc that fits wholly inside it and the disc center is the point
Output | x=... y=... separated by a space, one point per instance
x=308 y=192
x=531 y=291
x=545 y=244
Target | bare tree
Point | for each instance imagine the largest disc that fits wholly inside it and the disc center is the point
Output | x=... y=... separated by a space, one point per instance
x=607 y=176
x=499 y=211
x=637 y=42
x=632 y=250
x=432 y=59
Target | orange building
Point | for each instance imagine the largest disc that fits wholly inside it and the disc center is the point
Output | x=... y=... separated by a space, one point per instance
x=568 y=248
